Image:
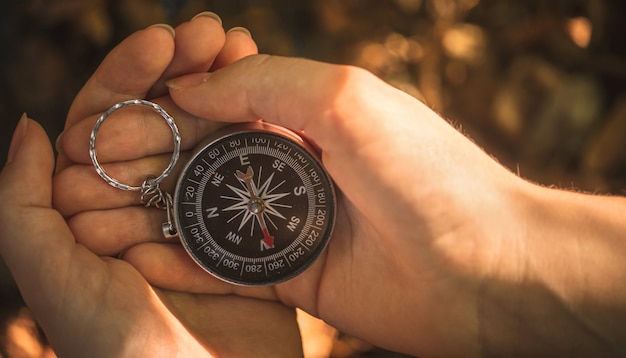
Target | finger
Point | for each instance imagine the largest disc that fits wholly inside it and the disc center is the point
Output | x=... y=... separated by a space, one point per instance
x=30 y=156
x=134 y=132
x=149 y=258
x=35 y=242
x=239 y=44
x=198 y=42
x=125 y=139
x=109 y=232
x=268 y=329
x=300 y=94
x=129 y=71
x=79 y=188
x=196 y=45
x=182 y=273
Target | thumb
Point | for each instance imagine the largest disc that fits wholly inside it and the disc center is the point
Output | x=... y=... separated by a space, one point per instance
x=33 y=236
x=293 y=93
x=26 y=176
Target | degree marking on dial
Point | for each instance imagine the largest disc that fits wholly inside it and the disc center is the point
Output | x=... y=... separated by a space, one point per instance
x=192 y=225
x=287 y=260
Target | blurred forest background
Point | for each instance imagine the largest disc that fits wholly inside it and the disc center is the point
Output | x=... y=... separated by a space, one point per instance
x=539 y=84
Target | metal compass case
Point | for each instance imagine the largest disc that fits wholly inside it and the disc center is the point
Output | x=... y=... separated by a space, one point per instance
x=253 y=206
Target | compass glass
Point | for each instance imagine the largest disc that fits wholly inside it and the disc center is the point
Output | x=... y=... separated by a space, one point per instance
x=254 y=206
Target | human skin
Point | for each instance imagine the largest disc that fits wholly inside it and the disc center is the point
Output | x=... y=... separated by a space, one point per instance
x=92 y=305
x=438 y=250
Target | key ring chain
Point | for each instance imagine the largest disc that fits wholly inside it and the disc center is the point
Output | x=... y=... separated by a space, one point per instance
x=151 y=193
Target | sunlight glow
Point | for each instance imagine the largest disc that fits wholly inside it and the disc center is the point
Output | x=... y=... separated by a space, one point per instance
x=579 y=30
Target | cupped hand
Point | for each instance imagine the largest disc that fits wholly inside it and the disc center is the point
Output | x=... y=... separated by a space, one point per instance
x=413 y=247
x=410 y=252
x=103 y=307
x=91 y=304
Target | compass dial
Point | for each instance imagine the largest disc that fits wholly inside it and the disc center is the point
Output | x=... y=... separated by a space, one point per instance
x=254 y=206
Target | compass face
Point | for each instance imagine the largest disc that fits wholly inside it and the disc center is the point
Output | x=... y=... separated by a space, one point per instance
x=254 y=206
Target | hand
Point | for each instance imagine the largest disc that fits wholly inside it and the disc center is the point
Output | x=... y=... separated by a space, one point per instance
x=101 y=306
x=439 y=250
x=446 y=264
x=406 y=259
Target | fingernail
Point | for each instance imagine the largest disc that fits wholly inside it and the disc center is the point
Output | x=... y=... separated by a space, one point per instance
x=165 y=26
x=241 y=29
x=188 y=81
x=18 y=137
x=210 y=14
x=58 y=144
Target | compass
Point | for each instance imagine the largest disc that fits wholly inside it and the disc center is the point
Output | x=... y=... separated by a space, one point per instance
x=254 y=206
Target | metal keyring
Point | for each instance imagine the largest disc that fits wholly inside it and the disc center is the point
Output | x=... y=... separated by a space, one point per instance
x=152 y=182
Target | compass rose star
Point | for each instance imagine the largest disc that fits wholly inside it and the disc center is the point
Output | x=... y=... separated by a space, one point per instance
x=266 y=192
x=269 y=197
x=241 y=205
